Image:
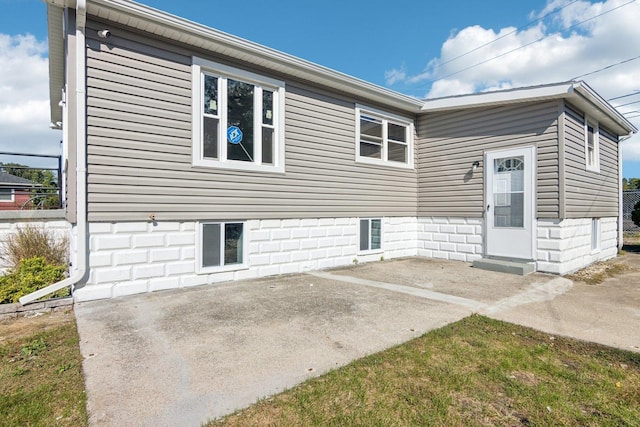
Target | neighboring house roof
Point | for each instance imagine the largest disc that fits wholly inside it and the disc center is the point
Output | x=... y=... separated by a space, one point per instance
x=162 y=24
x=576 y=92
x=12 y=181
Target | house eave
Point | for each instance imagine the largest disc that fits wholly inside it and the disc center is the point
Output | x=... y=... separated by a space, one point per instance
x=577 y=93
x=171 y=27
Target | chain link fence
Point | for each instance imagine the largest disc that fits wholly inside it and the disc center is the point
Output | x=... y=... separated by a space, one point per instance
x=629 y=200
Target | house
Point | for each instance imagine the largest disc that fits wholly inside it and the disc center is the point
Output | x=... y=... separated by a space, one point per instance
x=15 y=192
x=194 y=157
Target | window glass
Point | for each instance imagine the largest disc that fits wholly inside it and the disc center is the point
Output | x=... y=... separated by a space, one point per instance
x=382 y=139
x=267 y=145
x=371 y=150
x=210 y=95
x=222 y=244
x=397 y=132
x=211 y=245
x=364 y=234
x=210 y=138
x=397 y=152
x=6 y=194
x=267 y=107
x=233 y=243
x=370 y=128
x=376 y=236
x=370 y=234
x=240 y=114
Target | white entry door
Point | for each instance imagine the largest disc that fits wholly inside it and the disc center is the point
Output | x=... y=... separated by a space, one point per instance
x=509 y=203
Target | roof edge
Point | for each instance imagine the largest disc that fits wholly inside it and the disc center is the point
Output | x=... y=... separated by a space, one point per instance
x=358 y=86
x=577 y=91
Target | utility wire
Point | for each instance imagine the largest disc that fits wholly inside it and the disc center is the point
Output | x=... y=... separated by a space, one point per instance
x=535 y=41
x=509 y=33
x=606 y=68
x=625 y=96
x=628 y=103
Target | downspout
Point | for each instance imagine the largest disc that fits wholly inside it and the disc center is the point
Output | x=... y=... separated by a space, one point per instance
x=620 y=200
x=81 y=168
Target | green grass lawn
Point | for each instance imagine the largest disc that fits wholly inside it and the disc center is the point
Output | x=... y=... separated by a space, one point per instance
x=41 y=380
x=474 y=372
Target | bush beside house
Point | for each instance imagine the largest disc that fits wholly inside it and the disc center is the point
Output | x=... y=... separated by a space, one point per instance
x=38 y=258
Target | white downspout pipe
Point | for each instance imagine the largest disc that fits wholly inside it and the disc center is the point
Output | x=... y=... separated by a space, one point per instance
x=620 y=190
x=81 y=168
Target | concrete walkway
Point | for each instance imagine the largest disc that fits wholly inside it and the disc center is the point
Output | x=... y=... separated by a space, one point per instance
x=181 y=357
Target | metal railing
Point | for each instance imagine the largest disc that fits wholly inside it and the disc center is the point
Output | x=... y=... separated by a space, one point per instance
x=24 y=187
x=629 y=200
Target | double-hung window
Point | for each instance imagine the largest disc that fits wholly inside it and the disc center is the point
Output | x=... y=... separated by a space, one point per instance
x=238 y=118
x=222 y=246
x=382 y=138
x=370 y=232
x=591 y=145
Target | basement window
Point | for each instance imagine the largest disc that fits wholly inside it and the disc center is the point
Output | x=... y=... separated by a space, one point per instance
x=595 y=235
x=222 y=246
x=370 y=235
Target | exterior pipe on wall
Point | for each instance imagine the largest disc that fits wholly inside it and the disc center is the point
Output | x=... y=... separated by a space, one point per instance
x=81 y=170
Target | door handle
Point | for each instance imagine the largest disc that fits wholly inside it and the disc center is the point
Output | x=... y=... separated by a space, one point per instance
x=488 y=207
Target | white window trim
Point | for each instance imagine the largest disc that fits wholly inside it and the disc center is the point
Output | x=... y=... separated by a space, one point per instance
x=200 y=269
x=200 y=65
x=386 y=118
x=596 y=235
x=13 y=197
x=371 y=251
x=595 y=167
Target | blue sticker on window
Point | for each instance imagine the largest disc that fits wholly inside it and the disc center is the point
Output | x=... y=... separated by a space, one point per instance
x=234 y=134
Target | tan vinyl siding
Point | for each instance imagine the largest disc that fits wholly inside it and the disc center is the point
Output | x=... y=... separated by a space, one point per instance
x=451 y=141
x=589 y=194
x=139 y=150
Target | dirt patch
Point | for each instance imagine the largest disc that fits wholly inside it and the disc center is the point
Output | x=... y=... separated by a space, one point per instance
x=16 y=328
x=598 y=272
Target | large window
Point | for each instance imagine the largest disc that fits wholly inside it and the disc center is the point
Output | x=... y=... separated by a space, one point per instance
x=222 y=246
x=370 y=235
x=383 y=138
x=238 y=118
x=591 y=145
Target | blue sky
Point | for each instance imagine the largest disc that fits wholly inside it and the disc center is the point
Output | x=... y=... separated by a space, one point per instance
x=405 y=45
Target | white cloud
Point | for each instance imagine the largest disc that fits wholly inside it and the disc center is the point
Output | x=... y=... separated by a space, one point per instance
x=556 y=49
x=24 y=96
x=394 y=76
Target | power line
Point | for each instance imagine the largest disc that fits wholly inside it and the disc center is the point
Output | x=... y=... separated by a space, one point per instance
x=606 y=68
x=628 y=103
x=535 y=41
x=509 y=33
x=625 y=96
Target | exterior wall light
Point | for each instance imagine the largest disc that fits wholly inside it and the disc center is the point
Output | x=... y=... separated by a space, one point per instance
x=475 y=165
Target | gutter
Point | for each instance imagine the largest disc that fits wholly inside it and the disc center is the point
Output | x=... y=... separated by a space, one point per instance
x=81 y=168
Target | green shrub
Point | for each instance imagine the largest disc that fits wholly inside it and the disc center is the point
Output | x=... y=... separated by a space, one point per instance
x=30 y=241
x=635 y=214
x=32 y=274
